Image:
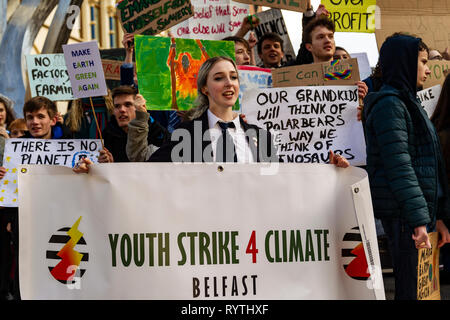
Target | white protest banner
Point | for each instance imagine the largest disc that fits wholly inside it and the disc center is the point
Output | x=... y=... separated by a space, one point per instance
x=428 y=285
x=439 y=70
x=85 y=69
x=429 y=98
x=427 y=20
x=307 y=122
x=120 y=238
x=212 y=20
x=272 y=21
x=48 y=76
x=251 y=77
x=41 y=151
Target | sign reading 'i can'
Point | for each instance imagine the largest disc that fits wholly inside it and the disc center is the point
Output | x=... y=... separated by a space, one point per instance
x=85 y=69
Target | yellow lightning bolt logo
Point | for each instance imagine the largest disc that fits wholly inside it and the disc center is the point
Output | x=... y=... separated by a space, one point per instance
x=69 y=257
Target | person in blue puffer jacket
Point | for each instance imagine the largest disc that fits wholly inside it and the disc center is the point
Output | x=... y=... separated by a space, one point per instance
x=404 y=161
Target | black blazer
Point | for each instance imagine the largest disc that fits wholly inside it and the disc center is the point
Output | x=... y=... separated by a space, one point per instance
x=259 y=141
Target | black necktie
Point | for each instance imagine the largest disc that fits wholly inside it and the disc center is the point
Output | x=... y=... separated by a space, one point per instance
x=225 y=141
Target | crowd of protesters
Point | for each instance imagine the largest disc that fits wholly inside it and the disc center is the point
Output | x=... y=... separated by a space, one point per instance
x=408 y=155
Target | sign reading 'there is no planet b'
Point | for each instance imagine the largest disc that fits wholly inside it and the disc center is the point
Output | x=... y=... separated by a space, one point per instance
x=85 y=69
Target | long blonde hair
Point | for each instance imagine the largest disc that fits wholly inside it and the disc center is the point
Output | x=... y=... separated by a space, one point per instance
x=202 y=102
x=75 y=114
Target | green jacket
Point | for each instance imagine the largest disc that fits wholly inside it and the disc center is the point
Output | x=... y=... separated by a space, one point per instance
x=404 y=160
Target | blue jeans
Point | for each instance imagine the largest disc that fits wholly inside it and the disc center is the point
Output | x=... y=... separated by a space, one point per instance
x=404 y=257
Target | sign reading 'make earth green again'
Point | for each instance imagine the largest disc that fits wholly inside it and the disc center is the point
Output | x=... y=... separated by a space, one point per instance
x=151 y=17
x=289 y=244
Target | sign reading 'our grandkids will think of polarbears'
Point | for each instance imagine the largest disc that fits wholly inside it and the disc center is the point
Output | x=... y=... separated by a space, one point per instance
x=85 y=68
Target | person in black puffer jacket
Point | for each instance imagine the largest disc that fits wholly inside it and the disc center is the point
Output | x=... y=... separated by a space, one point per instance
x=404 y=161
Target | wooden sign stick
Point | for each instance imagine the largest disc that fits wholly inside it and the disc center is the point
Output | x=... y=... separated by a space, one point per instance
x=96 y=122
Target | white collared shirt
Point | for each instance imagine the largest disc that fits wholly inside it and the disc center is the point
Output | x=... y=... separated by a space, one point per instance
x=243 y=152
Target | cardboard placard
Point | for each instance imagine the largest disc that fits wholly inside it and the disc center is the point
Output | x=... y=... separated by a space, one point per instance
x=428 y=287
x=272 y=21
x=352 y=16
x=425 y=19
x=212 y=20
x=139 y=17
x=337 y=72
x=116 y=55
x=85 y=69
x=292 y=5
x=438 y=69
x=251 y=78
x=48 y=77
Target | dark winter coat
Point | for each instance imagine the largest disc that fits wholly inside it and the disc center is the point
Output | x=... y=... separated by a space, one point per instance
x=404 y=161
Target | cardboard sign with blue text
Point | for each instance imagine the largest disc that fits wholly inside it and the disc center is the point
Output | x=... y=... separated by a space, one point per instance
x=128 y=242
x=41 y=152
x=307 y=122
x=48 y=76
x=428 y=286
x=85 y=68
x=439 y=70
x=272 y=21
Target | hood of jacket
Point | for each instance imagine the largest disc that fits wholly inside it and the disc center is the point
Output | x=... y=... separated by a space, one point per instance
x=398 y=61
